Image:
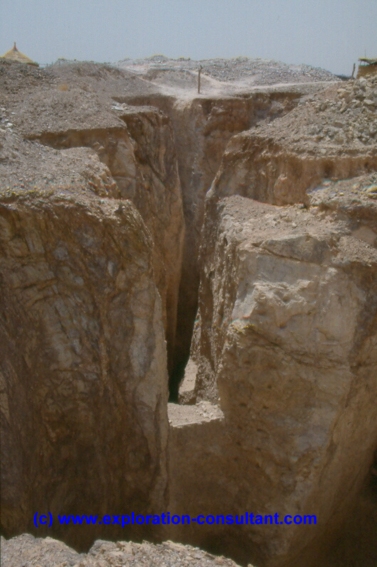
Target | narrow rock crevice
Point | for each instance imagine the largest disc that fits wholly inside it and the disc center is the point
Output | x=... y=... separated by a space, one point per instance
x=230 y=240
x=140 y=157
x=202 y=129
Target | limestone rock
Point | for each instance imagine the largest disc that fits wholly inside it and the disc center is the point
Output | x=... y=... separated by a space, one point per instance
x=288 y=339
x=136 y=147
x=202 y=129
x=203 y=478
x=282 y=414
x=83 y=361
x=141 y=159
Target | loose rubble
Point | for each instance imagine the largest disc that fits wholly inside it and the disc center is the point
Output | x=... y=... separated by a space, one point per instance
x=258 y=71
x=25 y=551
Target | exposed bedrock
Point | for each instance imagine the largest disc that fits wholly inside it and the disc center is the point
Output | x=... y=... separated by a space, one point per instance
x=141 y=158
x=204 y=478
x=94 y=197
x=331 y=135
x=261 y=168
x=202 y=129
x=83 y=363
x=287 y=342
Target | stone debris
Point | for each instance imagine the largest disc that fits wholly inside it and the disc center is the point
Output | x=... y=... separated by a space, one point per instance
x=259 y=71
x=345 y=116
x=202 y=412
x=27 y=551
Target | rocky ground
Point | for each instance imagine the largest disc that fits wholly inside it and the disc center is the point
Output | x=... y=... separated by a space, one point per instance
x=127 y=200
x=329 y=135
x=342 y=117
x=231 y=73
x=27 y=551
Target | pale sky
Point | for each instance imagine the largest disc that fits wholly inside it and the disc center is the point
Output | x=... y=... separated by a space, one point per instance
x=324 y=33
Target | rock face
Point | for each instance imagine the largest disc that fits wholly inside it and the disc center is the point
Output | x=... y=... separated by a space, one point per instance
x=288 y=340
x=74 y=108
x=50 y=553
x=202 y=128
x=330 y=135
x=140 y=155
x=203 y=462
x=83 y=357
x=281 y=386
x=286 y=337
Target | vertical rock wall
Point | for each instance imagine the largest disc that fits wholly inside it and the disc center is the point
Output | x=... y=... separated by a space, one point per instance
x=83 y=364
x=202 y=128
x=141 y=158
x=288 y=341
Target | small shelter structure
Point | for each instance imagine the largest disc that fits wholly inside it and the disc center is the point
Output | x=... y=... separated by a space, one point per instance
x=15 y=55
x=367 y=67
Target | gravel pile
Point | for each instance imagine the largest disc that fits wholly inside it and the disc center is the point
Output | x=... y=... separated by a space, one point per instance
x=351 y=116
x=27 y=551
x=15 y=76
x=338 y=117
x=262 y=71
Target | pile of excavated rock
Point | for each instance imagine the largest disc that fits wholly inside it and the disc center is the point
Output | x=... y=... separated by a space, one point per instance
x=264 y=71
x=343 y=116
x=25 y=551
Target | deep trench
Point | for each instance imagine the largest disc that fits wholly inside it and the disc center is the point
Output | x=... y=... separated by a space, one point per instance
x=178 y=355
x=176 y=377
x=358 y=525
x=253 y=109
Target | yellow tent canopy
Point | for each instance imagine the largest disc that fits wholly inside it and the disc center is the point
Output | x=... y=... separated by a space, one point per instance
x=368 y=66
x=368 y=60
x=15 y=55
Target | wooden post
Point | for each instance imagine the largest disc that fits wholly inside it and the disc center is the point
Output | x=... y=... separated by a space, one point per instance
x=200 y=70
x=353 y=71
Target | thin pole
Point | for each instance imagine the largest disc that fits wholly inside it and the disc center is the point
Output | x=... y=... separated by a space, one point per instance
x=200 y=70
